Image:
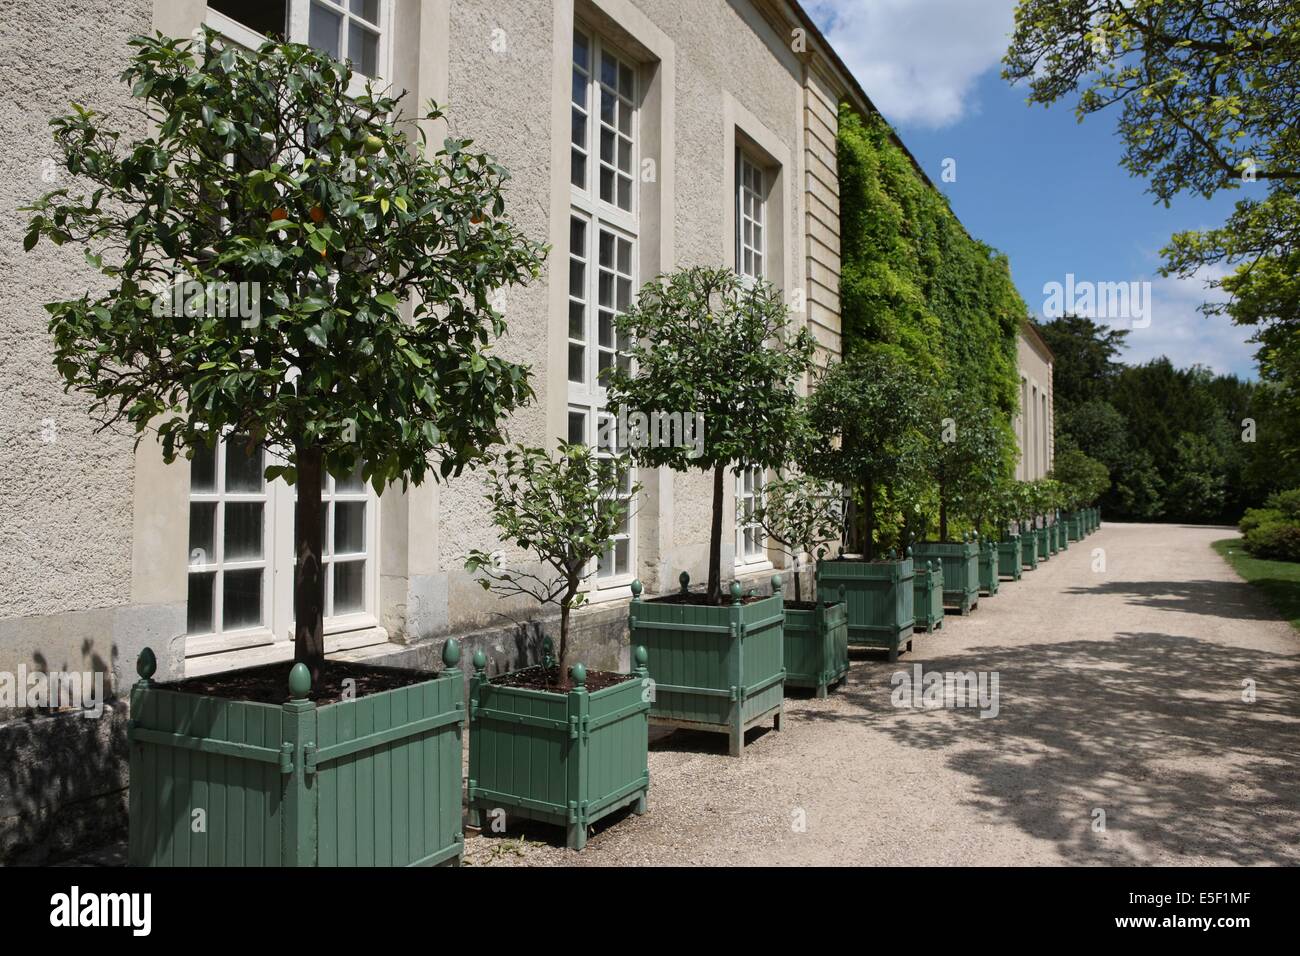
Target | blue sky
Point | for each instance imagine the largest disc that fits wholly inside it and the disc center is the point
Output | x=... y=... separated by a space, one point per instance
x=1033 y=182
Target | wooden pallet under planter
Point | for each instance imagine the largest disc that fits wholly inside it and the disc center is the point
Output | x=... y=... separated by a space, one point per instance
x=1009 y=560
x=880 y=598
x=928 y=587
x=568 y=759
x=816 y=646
x=961 y=572
x=374 y=781
x=718 y=668
x=988 y=562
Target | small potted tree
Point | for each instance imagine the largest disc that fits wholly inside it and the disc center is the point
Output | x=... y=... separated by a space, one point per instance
x=868 y=413
x=707 y=343
x=803 y=515
x=970 y=452
x=1006 y=531
x=550 y=742
x=1026 y=502
x=262 y=173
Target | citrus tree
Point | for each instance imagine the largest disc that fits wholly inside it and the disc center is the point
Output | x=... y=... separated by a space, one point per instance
x=565 y=508
x=707 y=342
x=323 y=215
x=972 y=452
x=802 y=514
x=869 y=413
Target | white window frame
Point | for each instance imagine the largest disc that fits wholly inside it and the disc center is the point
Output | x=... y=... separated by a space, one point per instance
x=751 y=216
x=299 y=11
x=758 y=559
x=588 y=398
x=278 y=559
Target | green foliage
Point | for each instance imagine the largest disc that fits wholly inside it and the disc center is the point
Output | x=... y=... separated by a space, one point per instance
x=1287 y=502
x=1277 y=540
x=262 y=176
x=1086 y=359
x=802 y=515
x=335 y=250
x=1207 y=94
x=870 y=414
x=706 y=342
x=1279 y=581
x=1082 y=479
x=565 y=509
x=912 y=277
x=970 y=455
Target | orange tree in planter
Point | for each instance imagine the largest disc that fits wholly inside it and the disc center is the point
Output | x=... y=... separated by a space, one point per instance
x=706 y=342
x=321 y=213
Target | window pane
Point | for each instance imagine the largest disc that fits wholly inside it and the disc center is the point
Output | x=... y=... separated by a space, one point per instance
x=607 y=250
x=606 y=329
x=577 y=279
x=577 y=320
x=351 y=483
x=363 y=49
x=579 y=89
x=578 y=131
x=625 y=155
x=366 y=8
x=608 y=70
x=241 y=602
x=607 y=146
x=203 y=470
x=625 y=119
x=243 y=531
x=203 y=524
x=349 y=587
x=323 y=30
x=581 y=52
x=264 y=16
x=608 y=107
x=349 y=527
x=624 y=193
x=577 y=237
x=198 y=611
x=621 y=554
x=606 y=290
x=625 y=81
x=577 y=361
x=577 y=428
x=625 y=257
x=607 y=185
x=243 y=469
x=578 y=168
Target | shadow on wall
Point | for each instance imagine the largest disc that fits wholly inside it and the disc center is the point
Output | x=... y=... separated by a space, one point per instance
x=1150 y=728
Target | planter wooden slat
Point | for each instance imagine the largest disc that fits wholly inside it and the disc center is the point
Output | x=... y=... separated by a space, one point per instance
x=929 y=595
x=880 y=599
x=961 y=573
x=567 y=759
x=816 y=646
x=1010 y=563
x=372 y=781
x=716 y=668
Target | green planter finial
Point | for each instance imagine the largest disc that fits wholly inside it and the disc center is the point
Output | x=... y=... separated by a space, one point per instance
x=735 y=592
x=579 y=673
x=776 y=584
x=146 y=665
x=480 y=660
x=451 y=652
x=640 y=656
x=299 y=681
x=637 y=588
x=685 y=579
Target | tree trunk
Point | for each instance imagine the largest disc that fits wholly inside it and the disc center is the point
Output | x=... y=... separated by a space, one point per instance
x=943 y=515
x=715 y=538
x=797 y=575
x=309 y=581
x=869 y=511
x=562 y=659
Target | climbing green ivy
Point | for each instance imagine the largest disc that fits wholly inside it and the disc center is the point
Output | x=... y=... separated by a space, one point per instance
x=915 y=283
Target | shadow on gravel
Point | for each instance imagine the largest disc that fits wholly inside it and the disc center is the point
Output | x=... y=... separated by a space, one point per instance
x=1149 y=727
x=1228 y=599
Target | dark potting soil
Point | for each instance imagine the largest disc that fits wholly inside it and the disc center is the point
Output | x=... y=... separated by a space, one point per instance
x=550 y=679
x=702 y=600
x=269 y=684
x=801 y=605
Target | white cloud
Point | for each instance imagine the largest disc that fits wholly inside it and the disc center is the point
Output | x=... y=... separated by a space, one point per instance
x=918 y=59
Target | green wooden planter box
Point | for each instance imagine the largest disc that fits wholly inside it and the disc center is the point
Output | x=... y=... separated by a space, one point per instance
x=961 y=572
x=374 y=781
x=1044 y=546
x=567 y=759
x=880 y=599
x=1074 y=527
x=929 y=596
x=1009 y=560
x=816 y=646
x=988 y=561
x=1062 y=539
x=718 y=669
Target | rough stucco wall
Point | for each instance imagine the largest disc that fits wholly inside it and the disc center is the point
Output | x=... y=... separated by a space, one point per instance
x=65 y=515
x=499 y=94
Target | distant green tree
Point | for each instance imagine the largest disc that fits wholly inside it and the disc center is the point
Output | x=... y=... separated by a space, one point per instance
x=1086 y=360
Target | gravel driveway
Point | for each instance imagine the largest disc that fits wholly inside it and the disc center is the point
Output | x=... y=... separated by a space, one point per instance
x=1120 y=693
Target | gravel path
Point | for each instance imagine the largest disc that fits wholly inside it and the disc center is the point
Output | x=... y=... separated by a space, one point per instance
x=1119 y=691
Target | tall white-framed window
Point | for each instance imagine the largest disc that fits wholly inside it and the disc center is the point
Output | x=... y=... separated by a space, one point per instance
x=751 y=217
x=356 y=30
x=604 y=230
x=230 y=547
x=751 y=542
x=241 y=551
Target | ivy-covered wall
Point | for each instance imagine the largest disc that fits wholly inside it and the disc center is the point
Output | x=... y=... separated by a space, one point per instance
x=912 y=278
